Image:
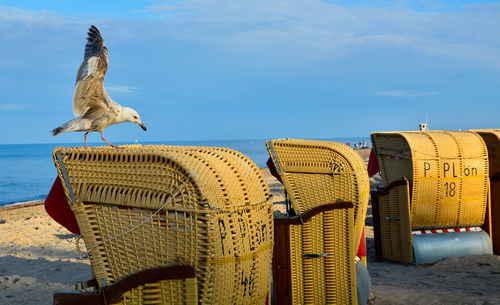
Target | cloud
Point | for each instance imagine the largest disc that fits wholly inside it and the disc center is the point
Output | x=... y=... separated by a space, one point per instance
x=305 y=28
x=170 y=10
x=43 y=17
x=403 y=93
x=121 y=89
x=316 y=28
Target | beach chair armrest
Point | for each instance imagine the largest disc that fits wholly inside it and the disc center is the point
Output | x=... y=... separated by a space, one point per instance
x=384 y=191
x=113 y=293
x=301 y=218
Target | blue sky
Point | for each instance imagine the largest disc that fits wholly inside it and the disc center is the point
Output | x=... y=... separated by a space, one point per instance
x=207 y=70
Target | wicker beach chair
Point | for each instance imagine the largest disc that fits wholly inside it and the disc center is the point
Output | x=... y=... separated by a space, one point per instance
x=492 y=139
x=435 y=197
x=203 y=212
x=314 y=254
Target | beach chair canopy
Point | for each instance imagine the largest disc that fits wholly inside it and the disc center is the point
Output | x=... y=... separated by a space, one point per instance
x=316 y=173
x=448 y=172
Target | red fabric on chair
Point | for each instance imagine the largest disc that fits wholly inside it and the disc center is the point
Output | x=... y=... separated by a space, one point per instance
x=362 y=245
x=373 y=167
x=57 y=207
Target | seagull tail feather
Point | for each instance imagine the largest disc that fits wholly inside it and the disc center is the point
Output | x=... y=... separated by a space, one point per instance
x=77 y=124
x=68 y=126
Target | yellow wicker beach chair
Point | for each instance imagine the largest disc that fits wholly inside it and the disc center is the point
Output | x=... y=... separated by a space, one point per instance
x=492 y=139
x=435 y=196
x=314 y=254
x=142 y=208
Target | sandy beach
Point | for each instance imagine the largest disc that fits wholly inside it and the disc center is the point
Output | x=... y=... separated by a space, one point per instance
x=38 y=257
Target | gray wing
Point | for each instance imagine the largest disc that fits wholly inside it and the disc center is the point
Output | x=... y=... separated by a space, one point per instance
x=96 y=54
x=90 y=96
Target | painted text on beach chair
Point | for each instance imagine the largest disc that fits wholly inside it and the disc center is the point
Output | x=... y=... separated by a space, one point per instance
x=147 y=207
x=436 y=183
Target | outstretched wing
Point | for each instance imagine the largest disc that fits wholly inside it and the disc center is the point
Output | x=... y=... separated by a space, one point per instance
x=89 y=91
x=95 y=57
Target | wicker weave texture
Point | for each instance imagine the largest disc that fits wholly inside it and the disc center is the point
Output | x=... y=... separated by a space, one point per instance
x=163 y=292
x=394 y=156
x=448 y=172
x=324 y=280
x=395 y=225
x=320 y=172
x=144 y=207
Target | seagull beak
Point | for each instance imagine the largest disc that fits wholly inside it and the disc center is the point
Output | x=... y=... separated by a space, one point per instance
x=142 y=126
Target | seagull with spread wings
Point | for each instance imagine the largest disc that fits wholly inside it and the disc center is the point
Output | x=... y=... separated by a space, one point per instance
x=93 y=108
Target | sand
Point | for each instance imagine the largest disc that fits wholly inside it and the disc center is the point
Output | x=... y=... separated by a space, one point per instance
x=38 y=257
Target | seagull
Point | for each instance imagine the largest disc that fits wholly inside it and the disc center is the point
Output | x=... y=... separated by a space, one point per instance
x=93 y=108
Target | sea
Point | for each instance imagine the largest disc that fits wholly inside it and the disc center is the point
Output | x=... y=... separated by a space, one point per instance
x=27 y=171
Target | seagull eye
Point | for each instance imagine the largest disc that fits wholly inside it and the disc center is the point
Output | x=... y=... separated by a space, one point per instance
x=135 y=117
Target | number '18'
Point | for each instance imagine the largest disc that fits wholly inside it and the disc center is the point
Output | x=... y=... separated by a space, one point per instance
x=450 y=189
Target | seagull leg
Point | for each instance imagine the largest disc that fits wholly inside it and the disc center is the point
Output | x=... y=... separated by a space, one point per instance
x=112 y=145
x=85 y=137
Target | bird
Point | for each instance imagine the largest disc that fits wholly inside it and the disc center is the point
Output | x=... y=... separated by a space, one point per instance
x=93 y=108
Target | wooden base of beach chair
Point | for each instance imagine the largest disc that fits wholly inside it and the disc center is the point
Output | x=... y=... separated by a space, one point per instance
x=494 y=224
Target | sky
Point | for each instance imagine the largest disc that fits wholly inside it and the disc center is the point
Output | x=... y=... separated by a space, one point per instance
x=254 y=69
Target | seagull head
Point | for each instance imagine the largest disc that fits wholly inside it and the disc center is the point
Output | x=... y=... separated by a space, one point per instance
x=130 y=115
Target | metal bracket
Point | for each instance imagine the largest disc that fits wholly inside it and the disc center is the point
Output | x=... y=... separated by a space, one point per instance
x=391 y=219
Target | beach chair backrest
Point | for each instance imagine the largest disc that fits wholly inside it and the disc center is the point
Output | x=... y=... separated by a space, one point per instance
x=316 y=173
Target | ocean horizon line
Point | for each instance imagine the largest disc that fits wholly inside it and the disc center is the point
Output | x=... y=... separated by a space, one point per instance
x=195 y=140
